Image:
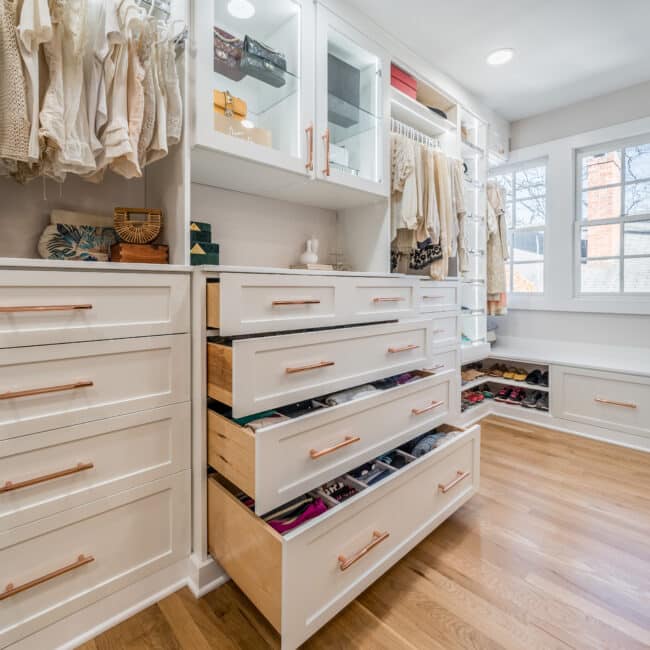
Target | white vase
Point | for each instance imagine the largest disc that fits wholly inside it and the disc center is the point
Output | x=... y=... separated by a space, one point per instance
x=310 y=256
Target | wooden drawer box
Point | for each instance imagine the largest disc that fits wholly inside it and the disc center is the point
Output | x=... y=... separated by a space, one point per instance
x=303 y=578
x=255 y=303
x=48 y=472
x=62 y=563
x=445 y=332
x=52 y=386
x=603 y=399
x=280 y=462
x=42 y=307
x=438 y=296
x=257 y=374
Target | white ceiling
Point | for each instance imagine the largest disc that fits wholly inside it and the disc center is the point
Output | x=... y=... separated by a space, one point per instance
x=566 y=50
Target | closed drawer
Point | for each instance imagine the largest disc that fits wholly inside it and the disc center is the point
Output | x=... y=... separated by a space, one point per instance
x=445 y=331
x=603 y=399
x=255 y=303
x=49 y=472
x=438 y=296
x=473 y=327
x=477 y=268
x=53 y=386
x=42 y=307
x=475 y=234
x=280 y=462
x=473 y=296
x=345 y=549
x=443 y=361
x=257 y=374
x=65 y=562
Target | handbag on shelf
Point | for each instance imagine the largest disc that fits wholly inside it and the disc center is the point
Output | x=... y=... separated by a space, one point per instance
x=228 y=105
x=228 y=50
x=263 y=63
x=424 y=254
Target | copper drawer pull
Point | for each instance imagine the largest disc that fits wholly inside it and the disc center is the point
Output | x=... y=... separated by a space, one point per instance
x=309 y=165
x=313 y=366
x=438 y=367
x=460 y=476
x=10 y=590
x=16 y=310
x=432 y=297
x=304 y=301
x=44 y=391
x=426 y=409
x=326 y=140
x=627 y=405
x=406 y=348
x=79 y=467
x=377 y=538
x=395 y=299
x=438 y=331
x=349 y=440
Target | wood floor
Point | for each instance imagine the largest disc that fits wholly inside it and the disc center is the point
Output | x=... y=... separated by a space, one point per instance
x=554 y=552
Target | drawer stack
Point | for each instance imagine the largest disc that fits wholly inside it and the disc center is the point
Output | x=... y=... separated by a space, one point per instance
x=312 y=437
x=94 y=437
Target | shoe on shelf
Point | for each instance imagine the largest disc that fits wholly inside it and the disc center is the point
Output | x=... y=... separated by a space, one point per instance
x=497 y=370
x=503 y=394
x=520 y=375
x=542 y=402
x=509 y=373
x=544 y=379
x=486 y=392
x=516 y=396
x=530 y=402
x=534 y=377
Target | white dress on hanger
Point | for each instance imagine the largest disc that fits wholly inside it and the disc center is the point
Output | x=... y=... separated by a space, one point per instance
x=174 y=98
x=158 y=147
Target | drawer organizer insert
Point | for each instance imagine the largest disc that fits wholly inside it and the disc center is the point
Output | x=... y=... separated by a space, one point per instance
x=344 y=534
x=280 y=454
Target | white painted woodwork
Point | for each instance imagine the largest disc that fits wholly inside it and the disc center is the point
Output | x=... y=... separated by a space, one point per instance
x=438 y=296
x=445 y=331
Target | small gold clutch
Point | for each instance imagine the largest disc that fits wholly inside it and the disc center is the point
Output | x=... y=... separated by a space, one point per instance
x=137 y=226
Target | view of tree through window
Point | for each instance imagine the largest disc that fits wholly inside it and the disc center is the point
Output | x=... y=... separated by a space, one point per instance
x=524 y=193
x=613 y=220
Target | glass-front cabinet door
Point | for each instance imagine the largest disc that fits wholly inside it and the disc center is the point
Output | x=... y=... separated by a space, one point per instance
x=351 y=107
x=253 y=79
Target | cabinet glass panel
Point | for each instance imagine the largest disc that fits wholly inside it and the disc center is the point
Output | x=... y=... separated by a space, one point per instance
x=257 y=67
x=354 y=99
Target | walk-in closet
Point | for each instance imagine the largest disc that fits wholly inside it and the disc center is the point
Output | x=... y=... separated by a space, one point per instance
x=324 y=324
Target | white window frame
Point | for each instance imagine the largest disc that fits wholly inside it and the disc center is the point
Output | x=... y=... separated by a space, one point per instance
x=578 y=223
x=511 y=170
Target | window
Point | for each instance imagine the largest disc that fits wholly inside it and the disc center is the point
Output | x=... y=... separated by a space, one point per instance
x=613 y=219
x=524 y=193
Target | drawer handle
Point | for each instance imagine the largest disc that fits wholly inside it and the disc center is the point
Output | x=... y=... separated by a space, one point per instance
x=302 y=301
x=377 y=538
x=460 y=476
x=406 y=348
x=79 y=467
x=313 y=366
x=426 y=409
x=349 y=440
x=44 y=391
x=394 y=299
x=438 y=367
x=16 y=310
x=438 y=331
x=10 y=590
x=627 y=405
x=432 y=297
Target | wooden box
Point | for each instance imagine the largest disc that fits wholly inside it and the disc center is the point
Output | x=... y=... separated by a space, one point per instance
x=140 y=253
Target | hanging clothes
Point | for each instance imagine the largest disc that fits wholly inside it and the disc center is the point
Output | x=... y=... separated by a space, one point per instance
x=497 y=250
x=404 y=201
x=458 y=180
x=439 y=268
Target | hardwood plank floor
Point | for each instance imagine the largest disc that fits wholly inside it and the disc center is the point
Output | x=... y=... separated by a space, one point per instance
x=553 y=552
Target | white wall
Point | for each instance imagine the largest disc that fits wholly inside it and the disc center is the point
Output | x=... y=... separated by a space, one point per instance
x=255 y=231
x=600 y=112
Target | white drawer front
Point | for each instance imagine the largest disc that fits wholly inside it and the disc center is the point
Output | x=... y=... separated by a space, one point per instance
x=285 y=467
x=48 y=387
x=438 y=296
x=278 y=370
x=477 y=268
x=128 y=536
x=41 y=307
x=473 y=296
x=443 y=361
x=255 y=303
x=475 y=234
x=382 y=298
x=474 y=327
x=49 y=472
x=445 y=331
x=406 y=508
x=603 y=399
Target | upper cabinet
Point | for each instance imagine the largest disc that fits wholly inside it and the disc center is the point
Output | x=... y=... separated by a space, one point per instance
x=288 y=102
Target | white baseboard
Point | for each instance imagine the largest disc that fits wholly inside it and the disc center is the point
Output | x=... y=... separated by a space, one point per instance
x=205 y=576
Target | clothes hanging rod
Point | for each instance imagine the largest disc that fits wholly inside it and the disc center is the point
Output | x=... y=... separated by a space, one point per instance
x=412 y=133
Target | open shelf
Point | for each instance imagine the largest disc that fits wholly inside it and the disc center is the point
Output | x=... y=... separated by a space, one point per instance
x=469 y=149
x=415 y=114
x=362 y=120
x=505 y=382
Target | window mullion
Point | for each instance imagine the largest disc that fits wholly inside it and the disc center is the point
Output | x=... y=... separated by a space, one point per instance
x=621 y=268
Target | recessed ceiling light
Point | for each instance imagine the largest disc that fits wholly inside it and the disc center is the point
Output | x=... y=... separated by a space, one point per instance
x=499 y=57
x=241 y=9
x=247 y=124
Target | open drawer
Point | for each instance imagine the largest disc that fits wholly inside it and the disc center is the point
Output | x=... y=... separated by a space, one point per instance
x=257 y=374
x=255 y=303
x=301 y=579
x=279 y=462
